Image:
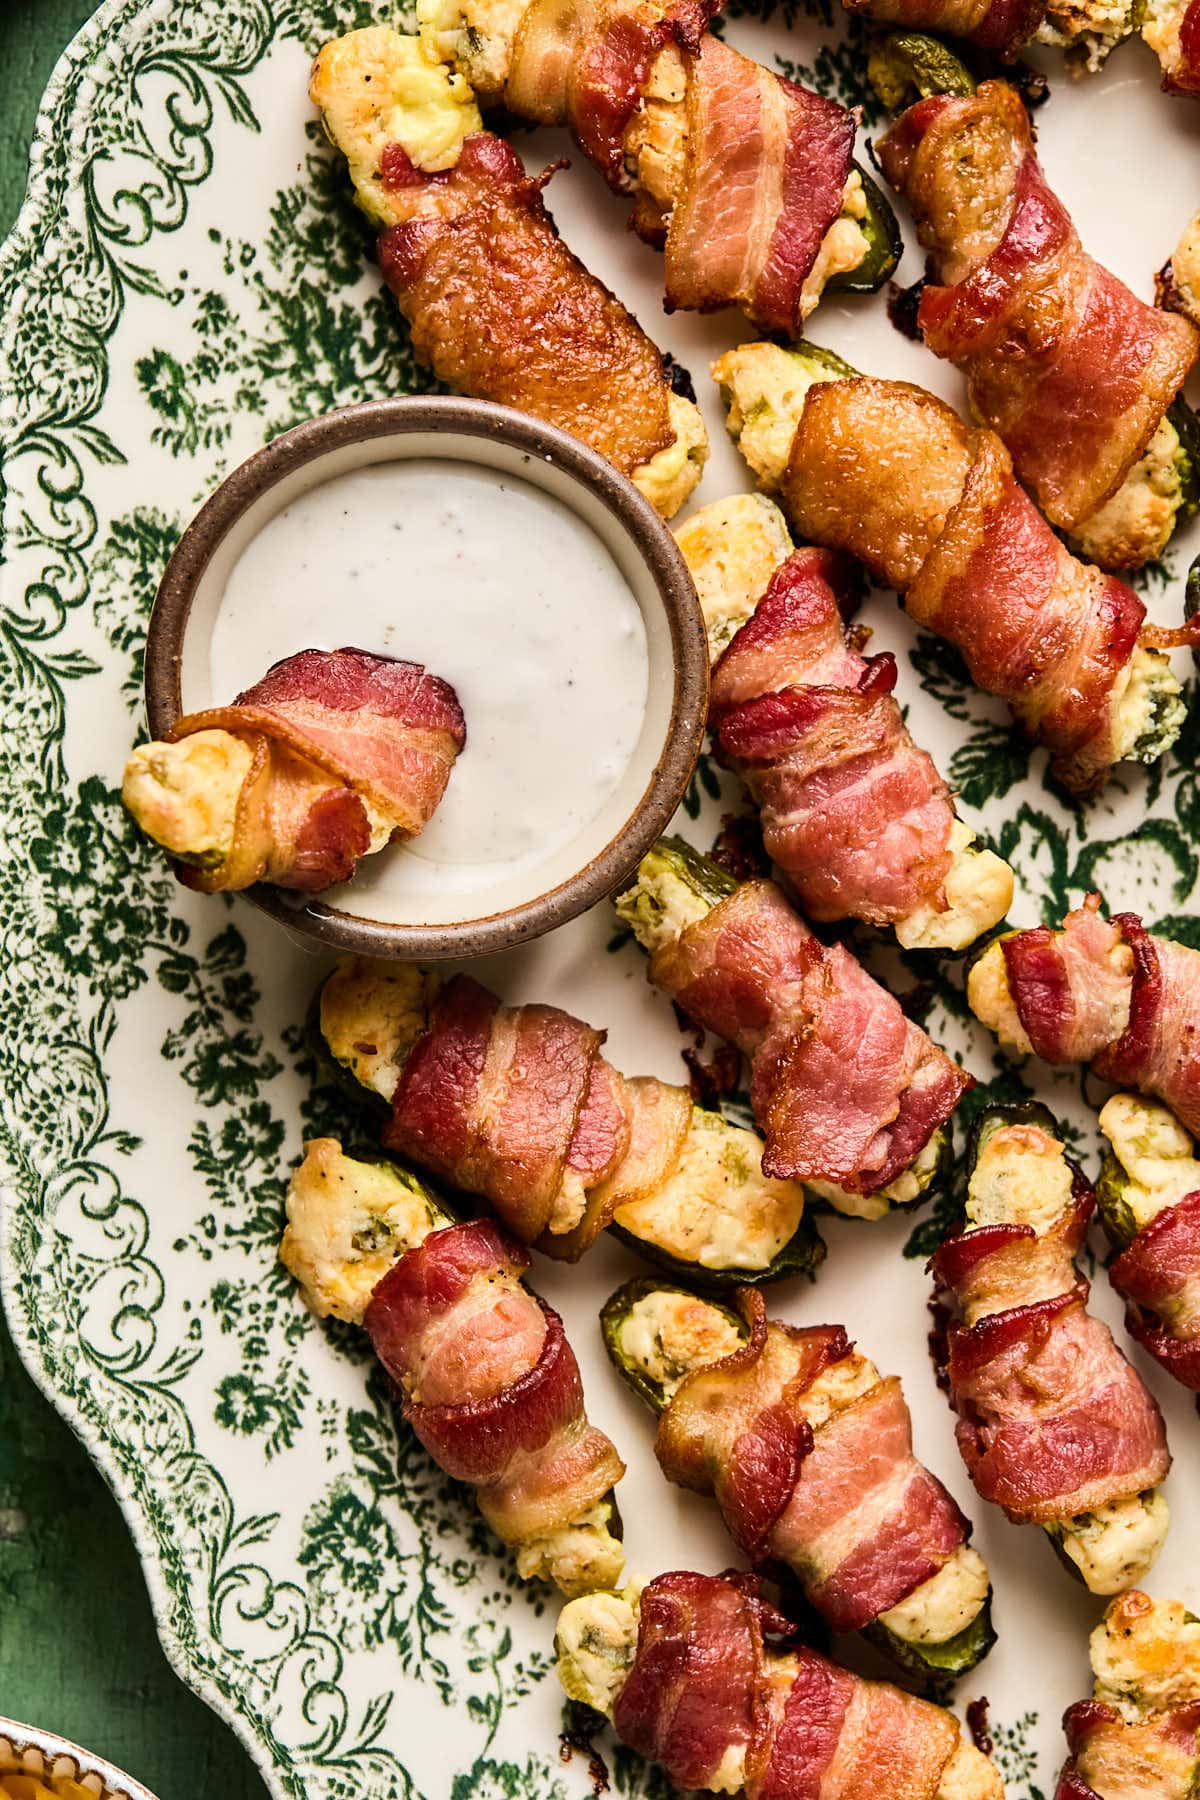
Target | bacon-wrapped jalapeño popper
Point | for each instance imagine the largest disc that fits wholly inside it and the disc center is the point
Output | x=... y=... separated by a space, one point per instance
x=498 y=306
x=1054 y=1424
x=856 y=816
x=1138 y=1737
x=743 y=178
x=1079 y=377
x=1148 y=1198
x=489 y=1383
x=852 y=1098
x=1100 y=991
x=1178 y=282
x=699 y=1674
x=329 y=757
x=889 y=473
x=517 y=1106
x=808 y=1451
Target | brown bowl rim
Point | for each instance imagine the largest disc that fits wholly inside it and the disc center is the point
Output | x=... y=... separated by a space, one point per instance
x=52 y=1747
x=305 y=443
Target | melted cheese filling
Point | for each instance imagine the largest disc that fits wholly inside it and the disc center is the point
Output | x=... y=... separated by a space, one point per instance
x=732 y=549
x=578 y=1558
x=668 y=478
x=1145 y=1656
x=1133 y=526
x=667 y=1335
x=945 y=1604
x=718 y=1210
x=990 y=999
x=375 y=87
x=1118 y=1544
x=1154 y=1150
x=371 y=1016
x=185 y=795
x=349 y=1222
x=978 y=893
x=1021 y=1177
x=764 y=389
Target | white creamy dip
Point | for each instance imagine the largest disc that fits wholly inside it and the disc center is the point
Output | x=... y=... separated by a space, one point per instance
x=505 y=592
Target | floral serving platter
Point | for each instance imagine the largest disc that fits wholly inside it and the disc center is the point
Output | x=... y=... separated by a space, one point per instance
x=187 y=279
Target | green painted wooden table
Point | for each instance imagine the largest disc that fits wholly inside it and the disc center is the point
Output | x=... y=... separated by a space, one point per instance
x=78 y=1654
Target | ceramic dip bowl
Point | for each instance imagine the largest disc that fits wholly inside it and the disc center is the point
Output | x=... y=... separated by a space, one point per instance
x=517 y=564
x=60 y=1766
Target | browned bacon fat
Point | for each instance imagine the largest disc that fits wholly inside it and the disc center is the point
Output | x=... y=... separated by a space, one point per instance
x=491 y=1386
x=329 y=756
x=718 y=1691
x=501 y=309
x=1100 y=991
x=1053 y=1424
x=845 y=1089
x=808 y=1452
x=1138 y=1738
x=1062 y=360
x=857 y=817
x=889 y=473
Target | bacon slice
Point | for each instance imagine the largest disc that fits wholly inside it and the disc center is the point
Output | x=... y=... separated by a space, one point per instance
x=491 y=1098
x=844 y=1087
x=761 y=166
x=857 y=817
x=705 y=1694
x=517 y=1106
x=846 y=1505
x=999 y=25
x=1111 y=993
x=332 y=733
x=1112 y=1757
x=586 y=63
x=888 y=473
x=1053 y=1421
x=501 y=310
x=1158 y=1277
x=766 y=166
x=491 y=1386
x=1070 y=368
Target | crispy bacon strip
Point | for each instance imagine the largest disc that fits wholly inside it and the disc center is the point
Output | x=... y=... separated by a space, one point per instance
x=1070 y=368
x=889 y=473
x=707 y=1694
x=501 y=310
x=757 y=166
x=1112 y=1757
x=846 y=1504
x=998 y=25
x=333 y=733
x=491 y=1386
x=1053 y=1421
x=1158 y=1277
x=844 y=1087
x=517 y=1105
x=1110 y=993
x=857 y=817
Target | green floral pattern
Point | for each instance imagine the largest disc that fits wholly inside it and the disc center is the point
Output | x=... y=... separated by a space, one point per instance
x=188 y=279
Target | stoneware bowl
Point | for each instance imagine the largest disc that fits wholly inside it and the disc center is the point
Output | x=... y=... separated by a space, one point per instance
x=573 y=876
x=51 y=1759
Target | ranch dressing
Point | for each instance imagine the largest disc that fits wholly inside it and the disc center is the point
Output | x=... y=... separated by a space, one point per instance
x=505 y=592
